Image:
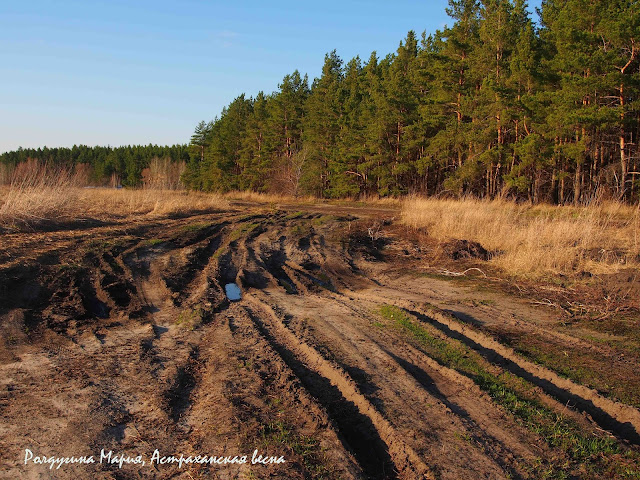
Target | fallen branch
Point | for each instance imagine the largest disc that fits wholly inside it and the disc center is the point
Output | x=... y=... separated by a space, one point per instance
x=549 y=303
x=546 y=303
x=461 y=274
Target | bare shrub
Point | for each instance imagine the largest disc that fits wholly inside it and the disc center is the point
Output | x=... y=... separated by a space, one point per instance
x=288 y=174
x=163 y=174
x=37 y=193
x=82 y=174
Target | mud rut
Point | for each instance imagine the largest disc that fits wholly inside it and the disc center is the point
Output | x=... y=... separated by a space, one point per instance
x=137 y=348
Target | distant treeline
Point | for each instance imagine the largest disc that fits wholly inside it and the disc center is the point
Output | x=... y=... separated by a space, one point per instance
x=493 y=105
x=128 y=166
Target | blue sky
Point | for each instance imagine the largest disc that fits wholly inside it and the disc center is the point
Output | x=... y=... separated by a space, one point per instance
x=137 y=72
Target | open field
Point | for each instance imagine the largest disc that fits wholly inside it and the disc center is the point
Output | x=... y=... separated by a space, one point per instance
x=356 y=351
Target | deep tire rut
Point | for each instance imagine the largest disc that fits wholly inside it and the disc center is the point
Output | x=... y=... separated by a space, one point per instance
x=306 y=361
x=137 y=338
x=623 y=420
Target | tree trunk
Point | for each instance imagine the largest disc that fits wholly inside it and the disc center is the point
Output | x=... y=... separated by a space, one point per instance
x=623 y=158
x=577 y=192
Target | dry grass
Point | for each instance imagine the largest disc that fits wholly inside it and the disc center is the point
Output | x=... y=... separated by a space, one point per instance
x=249 y=196
x=37 y=194
x=371 y=200
x=257 y=197
x=40 y=196
x=534 y=241
x=124 y=202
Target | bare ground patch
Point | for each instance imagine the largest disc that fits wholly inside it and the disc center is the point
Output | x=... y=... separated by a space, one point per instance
x=342 y=355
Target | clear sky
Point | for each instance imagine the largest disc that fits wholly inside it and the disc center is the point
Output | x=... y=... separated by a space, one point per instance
x=120 y=72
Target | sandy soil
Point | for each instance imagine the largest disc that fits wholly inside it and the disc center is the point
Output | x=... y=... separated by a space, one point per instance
x=120 y=338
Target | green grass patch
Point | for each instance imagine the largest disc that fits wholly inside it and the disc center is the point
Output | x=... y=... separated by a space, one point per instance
x=196 y=227
x=324 y=219
x=70 y=268
x=242 y=231
x=483 y=302
x=294 y=215
x=152 y=242
x=599 y=455
x=190 y=319
x=579 y=366
x=101 y=246
x=301 y=230
x=307 y=448
x=290 y=289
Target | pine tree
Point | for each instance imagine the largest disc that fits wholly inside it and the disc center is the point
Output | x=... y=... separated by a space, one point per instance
x=286 y=112
x=322 y=124
x=256 y=160
x=200 y=137
x=346 y=178
x=401 y=105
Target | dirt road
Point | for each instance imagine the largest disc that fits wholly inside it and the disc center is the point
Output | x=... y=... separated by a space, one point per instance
x=341 y=359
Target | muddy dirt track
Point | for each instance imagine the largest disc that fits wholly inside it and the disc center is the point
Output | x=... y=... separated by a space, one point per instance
x=340 y=358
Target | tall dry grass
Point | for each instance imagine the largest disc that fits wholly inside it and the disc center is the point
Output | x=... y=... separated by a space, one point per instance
x=539 y=240
x=126 y=202
x=39 y=195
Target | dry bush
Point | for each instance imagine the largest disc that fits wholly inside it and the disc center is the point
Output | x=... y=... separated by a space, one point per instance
x=37 y=194
x=535 y=240
x=287 y=175
x=163 y=174
x=82 y=174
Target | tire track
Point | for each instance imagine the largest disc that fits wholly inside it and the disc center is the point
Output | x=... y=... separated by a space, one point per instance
x=623 y=420
x=456 y=409
x=312 y=369
x=381 y=407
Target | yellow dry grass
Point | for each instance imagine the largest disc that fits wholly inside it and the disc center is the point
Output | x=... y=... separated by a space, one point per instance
x=258 y=197
x=125 y=202
x=25 y=207
x=371 y=200
x=37 y=193
x=535 y=241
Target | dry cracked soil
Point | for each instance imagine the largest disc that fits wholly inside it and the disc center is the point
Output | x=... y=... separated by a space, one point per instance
x=342 y=357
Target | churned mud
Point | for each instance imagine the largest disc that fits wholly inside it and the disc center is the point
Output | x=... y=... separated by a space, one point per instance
x=341 y=355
